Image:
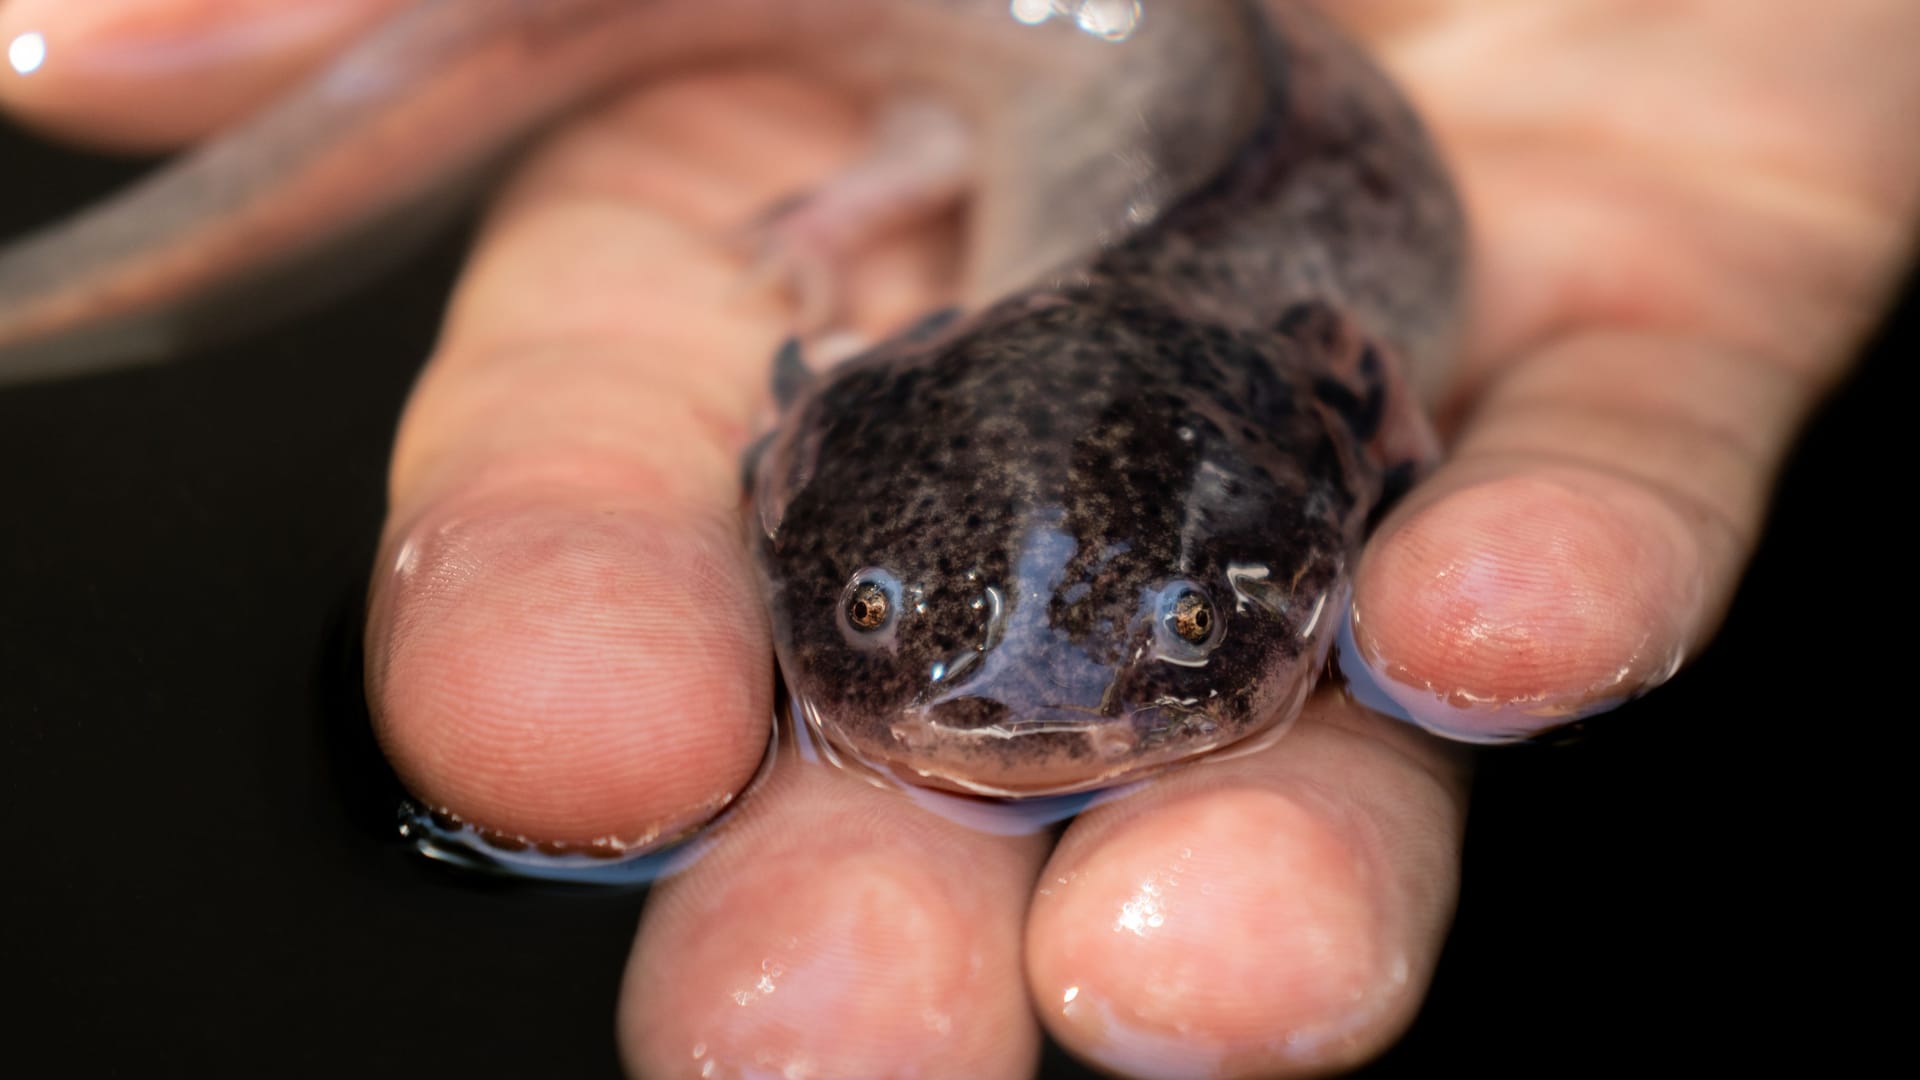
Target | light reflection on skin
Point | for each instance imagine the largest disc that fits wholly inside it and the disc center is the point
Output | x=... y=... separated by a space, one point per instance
x=1108 y=20
x=1141 y=912
x=27 y=52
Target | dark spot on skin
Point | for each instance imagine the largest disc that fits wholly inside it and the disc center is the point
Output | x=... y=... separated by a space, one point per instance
x=1312 y=321
x=1039 y=422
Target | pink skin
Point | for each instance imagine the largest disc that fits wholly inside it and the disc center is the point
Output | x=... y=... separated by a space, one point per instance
x=1683 y=227
x=193 y=66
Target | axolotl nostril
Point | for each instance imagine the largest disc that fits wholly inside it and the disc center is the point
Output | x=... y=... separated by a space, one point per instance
x=1102 y=519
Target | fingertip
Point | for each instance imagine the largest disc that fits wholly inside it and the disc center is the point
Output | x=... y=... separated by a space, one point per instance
x=1501 y=603
x=150 y=75
x=837 y=931
x=1226 y=932
x=569 y=668
x=1275 y=914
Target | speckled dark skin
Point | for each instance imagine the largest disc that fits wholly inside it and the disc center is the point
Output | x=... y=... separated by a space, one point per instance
x=1215 y=404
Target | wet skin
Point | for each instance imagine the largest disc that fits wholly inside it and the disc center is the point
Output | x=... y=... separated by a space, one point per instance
x=1614 y=436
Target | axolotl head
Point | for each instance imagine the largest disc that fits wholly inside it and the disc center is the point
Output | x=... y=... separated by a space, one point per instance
x=1062 y=545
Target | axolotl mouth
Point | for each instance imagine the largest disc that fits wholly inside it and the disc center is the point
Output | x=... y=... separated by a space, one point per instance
x=984 y=746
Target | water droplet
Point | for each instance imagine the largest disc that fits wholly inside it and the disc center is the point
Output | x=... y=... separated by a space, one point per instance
x=1109 y=20
x=1032 y=12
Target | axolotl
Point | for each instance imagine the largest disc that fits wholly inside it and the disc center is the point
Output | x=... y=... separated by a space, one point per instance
x=1098 y=519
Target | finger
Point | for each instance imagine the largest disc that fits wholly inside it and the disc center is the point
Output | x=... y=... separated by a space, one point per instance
x=570 y=642
x=1277 y=914
x=1609 y=476
x=1583 y=540
x=153 y=74
x=835 y=930
x=1658 y=305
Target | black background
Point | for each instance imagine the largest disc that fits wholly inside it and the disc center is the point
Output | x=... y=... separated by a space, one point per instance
x=201 y=877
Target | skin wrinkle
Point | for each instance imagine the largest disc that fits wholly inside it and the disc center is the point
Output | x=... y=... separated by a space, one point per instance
x=1736 y=418
x=1751 y=142
x=1673 y=293
x=649 y=463
x=587 y=475
x=1531 y=408
x=1715 y=505
x=1680 y=504
x=1448 y=767
x=453 y=396
x=1751 y=182
x=1485 y=135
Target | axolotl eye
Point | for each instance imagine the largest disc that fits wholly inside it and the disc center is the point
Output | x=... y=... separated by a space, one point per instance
x=1187 y=624
x=870 y=609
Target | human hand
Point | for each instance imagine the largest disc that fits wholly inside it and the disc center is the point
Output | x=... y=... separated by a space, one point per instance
x=552 y=636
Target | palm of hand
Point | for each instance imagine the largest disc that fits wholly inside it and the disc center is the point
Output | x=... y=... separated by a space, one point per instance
x=1684 y=216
